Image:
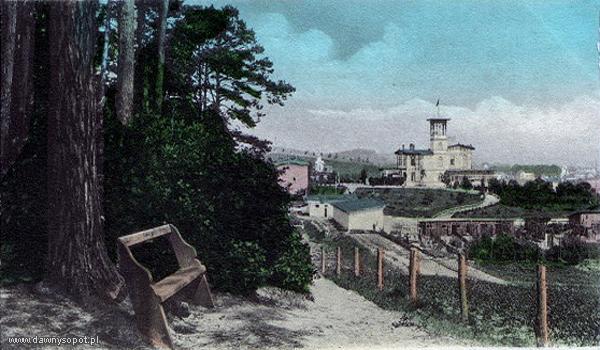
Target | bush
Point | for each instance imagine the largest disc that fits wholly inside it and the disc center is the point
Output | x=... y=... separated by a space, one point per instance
x=189 y=173
x=243 y=268
x=294 y=270
x=504 y=248
x=572 y=251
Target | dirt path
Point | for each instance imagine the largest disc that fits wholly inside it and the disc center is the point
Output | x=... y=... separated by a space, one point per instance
x=337 y=318
x=488 y=200
x=399 y=256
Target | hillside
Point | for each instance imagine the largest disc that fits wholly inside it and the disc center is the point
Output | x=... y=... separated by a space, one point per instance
x=344 y=168
x=359 y=155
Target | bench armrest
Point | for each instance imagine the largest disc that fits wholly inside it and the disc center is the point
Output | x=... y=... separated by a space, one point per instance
x=130 y=268
x=185 y=253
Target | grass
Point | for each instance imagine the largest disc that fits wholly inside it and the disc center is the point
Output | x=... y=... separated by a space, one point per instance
x=345 y=169
x=500 y=315
x=417 y=202
x=504 y=211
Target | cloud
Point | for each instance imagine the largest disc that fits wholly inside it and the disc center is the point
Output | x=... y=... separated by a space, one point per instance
x=500 y=130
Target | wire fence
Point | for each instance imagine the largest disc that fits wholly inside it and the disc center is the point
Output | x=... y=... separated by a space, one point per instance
x=529 y=307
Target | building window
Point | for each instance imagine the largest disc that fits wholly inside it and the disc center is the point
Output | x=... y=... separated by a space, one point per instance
x=316 y=205
x=294 y=179
x=413 y=161
x=412 y=176
x=452 y=161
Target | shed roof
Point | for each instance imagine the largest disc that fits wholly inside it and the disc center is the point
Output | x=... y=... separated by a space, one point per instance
x=326 y=198
x=354 y=205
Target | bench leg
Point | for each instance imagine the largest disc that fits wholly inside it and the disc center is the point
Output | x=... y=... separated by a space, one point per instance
x=201 y=293
x=152 y=323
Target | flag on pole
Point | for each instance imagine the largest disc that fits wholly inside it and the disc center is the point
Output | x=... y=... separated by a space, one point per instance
x=438 y=103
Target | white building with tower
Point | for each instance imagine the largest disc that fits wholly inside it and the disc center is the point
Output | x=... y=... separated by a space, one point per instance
x=439 y=163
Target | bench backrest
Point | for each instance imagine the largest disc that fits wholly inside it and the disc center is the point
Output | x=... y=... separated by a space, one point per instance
x=146 y=235
x=184 y=252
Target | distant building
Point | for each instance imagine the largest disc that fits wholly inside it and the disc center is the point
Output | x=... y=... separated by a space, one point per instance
x=359 y=214
x=294 y=176
x=319 y=165
x=595 y=183
x=436 y=228
x=322 y=175
x=587 y=218
x=523 y=177
x=320 y=206
x=428 y=167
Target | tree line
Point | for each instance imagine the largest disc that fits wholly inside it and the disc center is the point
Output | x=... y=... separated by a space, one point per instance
x=540 y=194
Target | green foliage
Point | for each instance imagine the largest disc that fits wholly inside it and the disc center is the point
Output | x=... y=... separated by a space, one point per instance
x=364 y=175
x=539 y=194
x=290 y=270
x=538 y=170
x=189 y=173
x=466 y=184
x=230 y=73
x=572 y=251
x=504 y=248
x=326 y=190
x=418 y=202
x=244 y=268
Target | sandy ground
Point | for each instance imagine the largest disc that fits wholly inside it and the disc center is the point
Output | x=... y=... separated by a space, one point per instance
x=276 y=319
x=399 y=257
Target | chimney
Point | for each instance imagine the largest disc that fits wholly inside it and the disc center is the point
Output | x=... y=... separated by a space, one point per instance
x=403 y=147
x=412 y=146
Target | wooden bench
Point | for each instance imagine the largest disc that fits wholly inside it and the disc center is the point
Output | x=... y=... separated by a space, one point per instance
x=147 y=296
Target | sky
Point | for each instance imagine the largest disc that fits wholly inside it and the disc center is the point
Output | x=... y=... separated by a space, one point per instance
x=519 y=79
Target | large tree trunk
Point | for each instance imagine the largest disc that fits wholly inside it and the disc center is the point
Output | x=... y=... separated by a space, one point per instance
x=77 y=258
x=127 y=25
x=162 y=33
x=18 y=27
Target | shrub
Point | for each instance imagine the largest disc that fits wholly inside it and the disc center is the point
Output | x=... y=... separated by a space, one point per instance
x=293 y=270
x=504 y=248
x=572 y=251
x=243 y=268
x=188 y=173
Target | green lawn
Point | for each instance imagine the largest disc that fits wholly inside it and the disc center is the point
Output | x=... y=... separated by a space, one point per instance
x=417 y=202
x=503 y=211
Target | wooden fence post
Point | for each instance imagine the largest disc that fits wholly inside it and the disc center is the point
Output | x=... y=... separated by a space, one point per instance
x=413 y=273
x=462 y=287
x=380 y=268
x=542 y=317
x=338 y=266
x=323 y=260
x=356 y=262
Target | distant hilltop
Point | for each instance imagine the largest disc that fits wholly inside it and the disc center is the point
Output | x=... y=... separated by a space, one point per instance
x=359 y=155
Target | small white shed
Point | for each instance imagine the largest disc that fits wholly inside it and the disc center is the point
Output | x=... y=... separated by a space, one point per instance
x=359 y=214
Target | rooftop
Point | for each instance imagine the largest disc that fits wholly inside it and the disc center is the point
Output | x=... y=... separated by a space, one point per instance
x=462 y=146
x=590 y=211
x=323 y=198
x=414 y=151
x=354 y=205
x=470 y=172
